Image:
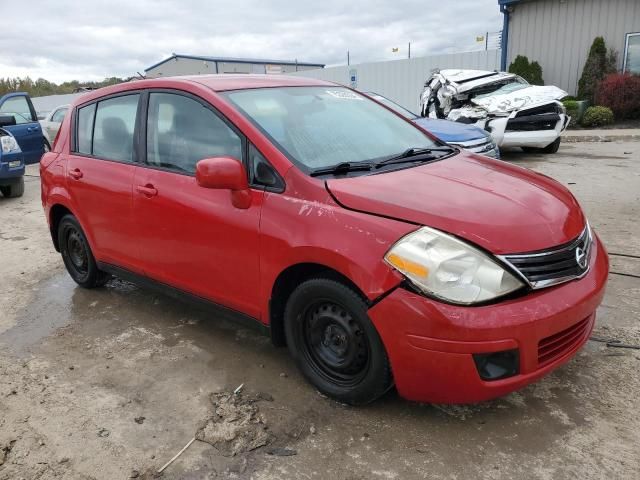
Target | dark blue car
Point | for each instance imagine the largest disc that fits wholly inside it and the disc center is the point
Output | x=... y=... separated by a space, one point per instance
x=18 y=117
x=11 y=165
x=469 y=137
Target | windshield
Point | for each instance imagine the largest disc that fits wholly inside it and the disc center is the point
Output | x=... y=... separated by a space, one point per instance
x=320 y=127
x=394 y=106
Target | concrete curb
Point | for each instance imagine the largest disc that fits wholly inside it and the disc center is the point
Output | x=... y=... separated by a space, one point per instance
x=600 y=138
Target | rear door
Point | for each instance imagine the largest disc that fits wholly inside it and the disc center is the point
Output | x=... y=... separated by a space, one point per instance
x=27 y=130
x=100 y=172
x=191 y=237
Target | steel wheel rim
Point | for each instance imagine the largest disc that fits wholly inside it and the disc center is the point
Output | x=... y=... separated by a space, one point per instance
x=76 y=251
x=335 y=343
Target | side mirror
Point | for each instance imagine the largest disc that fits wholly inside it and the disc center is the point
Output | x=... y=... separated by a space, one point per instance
x=225 y=173
x=7 y=120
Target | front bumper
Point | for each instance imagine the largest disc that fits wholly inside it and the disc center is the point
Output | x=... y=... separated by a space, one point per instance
x=11 y=167
x=533 y=138
x=431 y=344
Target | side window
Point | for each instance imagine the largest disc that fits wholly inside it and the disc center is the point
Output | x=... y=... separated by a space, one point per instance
x=114 y=124
x=19 y=108
x=85 y=128
x=182 y=131
x=58 y=116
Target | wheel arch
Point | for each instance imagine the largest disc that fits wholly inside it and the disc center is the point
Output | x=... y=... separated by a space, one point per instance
x=285 y=284
x=56 y=213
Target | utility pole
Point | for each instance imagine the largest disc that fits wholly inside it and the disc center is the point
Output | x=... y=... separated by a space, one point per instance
x=486 y=42
x=348 y=63
x=409 y=54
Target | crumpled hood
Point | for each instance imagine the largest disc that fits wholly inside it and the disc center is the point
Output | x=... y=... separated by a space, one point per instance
x=500 y=207
x=525 y=97
x=451 y=132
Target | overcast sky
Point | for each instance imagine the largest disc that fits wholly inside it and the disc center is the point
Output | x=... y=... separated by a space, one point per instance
x=90 y=40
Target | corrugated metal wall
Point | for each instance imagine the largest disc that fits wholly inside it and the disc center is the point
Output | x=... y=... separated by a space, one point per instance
x=403 y=80
x=558 y=34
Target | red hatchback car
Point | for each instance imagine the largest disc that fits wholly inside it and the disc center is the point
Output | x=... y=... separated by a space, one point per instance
x=379 y=255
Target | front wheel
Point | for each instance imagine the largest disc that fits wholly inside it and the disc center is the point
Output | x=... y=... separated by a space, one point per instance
x=551 y=148
x=77 y=255
x=334 y=343
x=14 y=189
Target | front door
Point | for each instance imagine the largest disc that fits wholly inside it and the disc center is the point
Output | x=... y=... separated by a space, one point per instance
x=100 y=172
x=192 y=237
x=27 y=130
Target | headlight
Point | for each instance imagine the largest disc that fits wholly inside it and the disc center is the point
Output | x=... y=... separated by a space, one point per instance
x=9 y=144
x=445 y=267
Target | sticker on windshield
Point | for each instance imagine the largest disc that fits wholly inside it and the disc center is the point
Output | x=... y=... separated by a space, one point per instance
x=344 y=94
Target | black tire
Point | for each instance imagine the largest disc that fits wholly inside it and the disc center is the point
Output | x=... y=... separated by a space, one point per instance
x=46 y=145
x=13 y=190
x=77 y=255
x=334 y=343
x=551 y=148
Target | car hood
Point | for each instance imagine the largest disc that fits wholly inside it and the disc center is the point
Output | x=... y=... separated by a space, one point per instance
x=451 y=132
x=527 y=97
x=500 y=207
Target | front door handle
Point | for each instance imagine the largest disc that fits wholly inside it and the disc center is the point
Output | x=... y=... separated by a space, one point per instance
x=147 y=190
x=75 y=173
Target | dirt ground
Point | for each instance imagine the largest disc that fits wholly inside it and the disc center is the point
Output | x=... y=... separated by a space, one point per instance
x=112 y=383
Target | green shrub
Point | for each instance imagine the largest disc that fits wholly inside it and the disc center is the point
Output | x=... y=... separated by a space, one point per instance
x=573 y=110
x=597 y=117
x=598 y=65
x=531 y=72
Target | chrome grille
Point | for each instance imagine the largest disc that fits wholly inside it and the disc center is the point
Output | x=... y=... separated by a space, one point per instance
x=551 y=267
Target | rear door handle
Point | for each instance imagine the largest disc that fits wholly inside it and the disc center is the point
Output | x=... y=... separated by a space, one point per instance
x=147 y=190
x=75 y=173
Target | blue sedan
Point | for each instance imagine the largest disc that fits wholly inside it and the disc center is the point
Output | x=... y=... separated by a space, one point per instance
x=11 y=166
x=469 y=137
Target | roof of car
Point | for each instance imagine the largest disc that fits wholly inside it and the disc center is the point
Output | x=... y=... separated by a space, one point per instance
x=224 y=81
x=218 y=83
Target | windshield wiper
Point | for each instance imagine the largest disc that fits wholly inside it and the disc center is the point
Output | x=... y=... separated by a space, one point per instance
x=343 y=167
x=411 y=154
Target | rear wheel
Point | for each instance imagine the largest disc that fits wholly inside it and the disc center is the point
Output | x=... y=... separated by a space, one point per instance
x=13 y=190
x=77 y=255
x=334 y=343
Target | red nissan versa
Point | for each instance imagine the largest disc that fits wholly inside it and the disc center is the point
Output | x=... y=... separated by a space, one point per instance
x=379 y=255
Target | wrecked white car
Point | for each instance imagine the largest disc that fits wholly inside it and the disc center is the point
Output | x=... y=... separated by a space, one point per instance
x=516 y=113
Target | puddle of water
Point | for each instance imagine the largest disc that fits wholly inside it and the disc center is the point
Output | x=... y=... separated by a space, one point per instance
x=50 y=312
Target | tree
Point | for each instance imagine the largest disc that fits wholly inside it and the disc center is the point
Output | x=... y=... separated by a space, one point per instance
x=531 y=72
x=599 y=64
x=42 y=87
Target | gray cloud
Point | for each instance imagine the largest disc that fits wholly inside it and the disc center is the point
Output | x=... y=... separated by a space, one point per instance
x=90 y=40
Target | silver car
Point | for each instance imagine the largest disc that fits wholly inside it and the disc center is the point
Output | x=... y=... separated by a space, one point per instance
x=51 y=124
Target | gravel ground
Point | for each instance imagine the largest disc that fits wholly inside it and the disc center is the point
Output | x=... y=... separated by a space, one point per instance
x=112 y=383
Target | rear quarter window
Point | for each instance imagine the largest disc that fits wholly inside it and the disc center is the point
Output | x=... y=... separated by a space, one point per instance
x=85 y=128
